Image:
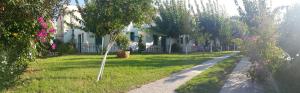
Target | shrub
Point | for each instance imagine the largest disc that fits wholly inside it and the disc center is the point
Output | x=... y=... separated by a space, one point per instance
x=65 y=48
x=141 y=45
x=123 y=42
x=176 y=48
x=13 y=62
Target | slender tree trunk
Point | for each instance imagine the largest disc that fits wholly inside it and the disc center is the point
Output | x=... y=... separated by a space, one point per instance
x=211 y=47
x=170 y=46
x=228 y=49
x=186 y=44
x=221 y=48
x=102 y=45
x=109 y=46
x=234 y=47
x=186 y=50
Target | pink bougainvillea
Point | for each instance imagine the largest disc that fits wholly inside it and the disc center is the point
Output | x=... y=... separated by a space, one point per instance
x=41 y=20
x=52 y=30
x=43 y=33
x=46 y=31
x=53 y=46
x=44 y=25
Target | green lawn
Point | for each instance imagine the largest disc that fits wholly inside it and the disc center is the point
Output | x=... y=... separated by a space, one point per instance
x=77 y=73
x=211 y=80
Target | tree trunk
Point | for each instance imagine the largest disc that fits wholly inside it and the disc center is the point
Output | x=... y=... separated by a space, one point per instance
x=102 y=45
x=234 y=47
x=221 y=48
x=186 y=44
x=170 y=46
x=211 y=47
x=110 y=44
x=228 y=49
x=186 y=50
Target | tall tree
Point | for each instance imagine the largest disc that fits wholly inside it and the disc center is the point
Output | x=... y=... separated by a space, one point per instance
x=260 y=44
x=174 y=20
x=210 y=21
x=110 y=17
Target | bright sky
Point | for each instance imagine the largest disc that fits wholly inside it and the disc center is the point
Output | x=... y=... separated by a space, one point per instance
x=231 y=8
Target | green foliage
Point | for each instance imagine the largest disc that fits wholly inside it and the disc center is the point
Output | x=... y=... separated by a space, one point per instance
x=13 y=62
x=288 y=76
x=211 y=80
x=173 y=20
x=176 y=48
x=65 y=48
x=212 y=25
x=111 y=17
x=18 y=29
x=260 y=43
x=123 y=42
x=141 y=45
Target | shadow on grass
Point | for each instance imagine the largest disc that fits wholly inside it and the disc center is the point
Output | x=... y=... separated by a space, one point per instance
x=81 y=58
x=116 y=62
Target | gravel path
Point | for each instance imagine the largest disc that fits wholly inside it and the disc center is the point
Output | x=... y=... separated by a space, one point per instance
x=238 y=82
x=169 y=84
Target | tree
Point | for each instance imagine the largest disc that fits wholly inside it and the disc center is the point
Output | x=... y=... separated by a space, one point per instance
x=23 y=26
x=260 y=43
x=173 y=20
x=110 y=17
x=226 y=33
x=211 y=22
x=186 y=23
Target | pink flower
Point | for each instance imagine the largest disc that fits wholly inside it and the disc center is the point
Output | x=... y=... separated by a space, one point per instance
x=44 y=25
x=53 y=46
x=52 y=30
x=41 y=20
x=42 y=33
x=43 y=39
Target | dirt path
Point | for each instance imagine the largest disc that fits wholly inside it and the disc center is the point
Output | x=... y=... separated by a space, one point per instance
x=238 y=82
x=169 y=84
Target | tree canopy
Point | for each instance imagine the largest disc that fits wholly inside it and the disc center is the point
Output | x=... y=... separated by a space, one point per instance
x=110 y=17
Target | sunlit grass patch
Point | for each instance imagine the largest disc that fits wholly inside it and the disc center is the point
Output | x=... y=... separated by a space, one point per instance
x=211 y=80
x=77 y=73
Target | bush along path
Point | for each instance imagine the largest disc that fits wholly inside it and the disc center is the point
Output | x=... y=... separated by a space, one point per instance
x=239 y=82
x=169 y=84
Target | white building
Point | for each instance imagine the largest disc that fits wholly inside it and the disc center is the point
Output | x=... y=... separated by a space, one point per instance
x=87 y=42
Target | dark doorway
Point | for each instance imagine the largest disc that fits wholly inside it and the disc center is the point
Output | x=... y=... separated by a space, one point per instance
x=164 y=43
x=79 y=42
x=155 y=40
x=132 y=36
x=98 y=43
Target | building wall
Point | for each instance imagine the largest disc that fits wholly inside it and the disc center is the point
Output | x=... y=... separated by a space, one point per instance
x=88 y=42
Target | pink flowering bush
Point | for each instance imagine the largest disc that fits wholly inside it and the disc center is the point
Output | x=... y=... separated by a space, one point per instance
x=46 y=31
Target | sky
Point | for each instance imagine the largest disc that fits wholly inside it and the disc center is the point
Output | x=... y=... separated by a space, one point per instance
x=229 y=5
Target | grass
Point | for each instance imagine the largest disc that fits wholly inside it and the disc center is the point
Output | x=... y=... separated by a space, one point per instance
x=211 y=80
x=77 y=73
